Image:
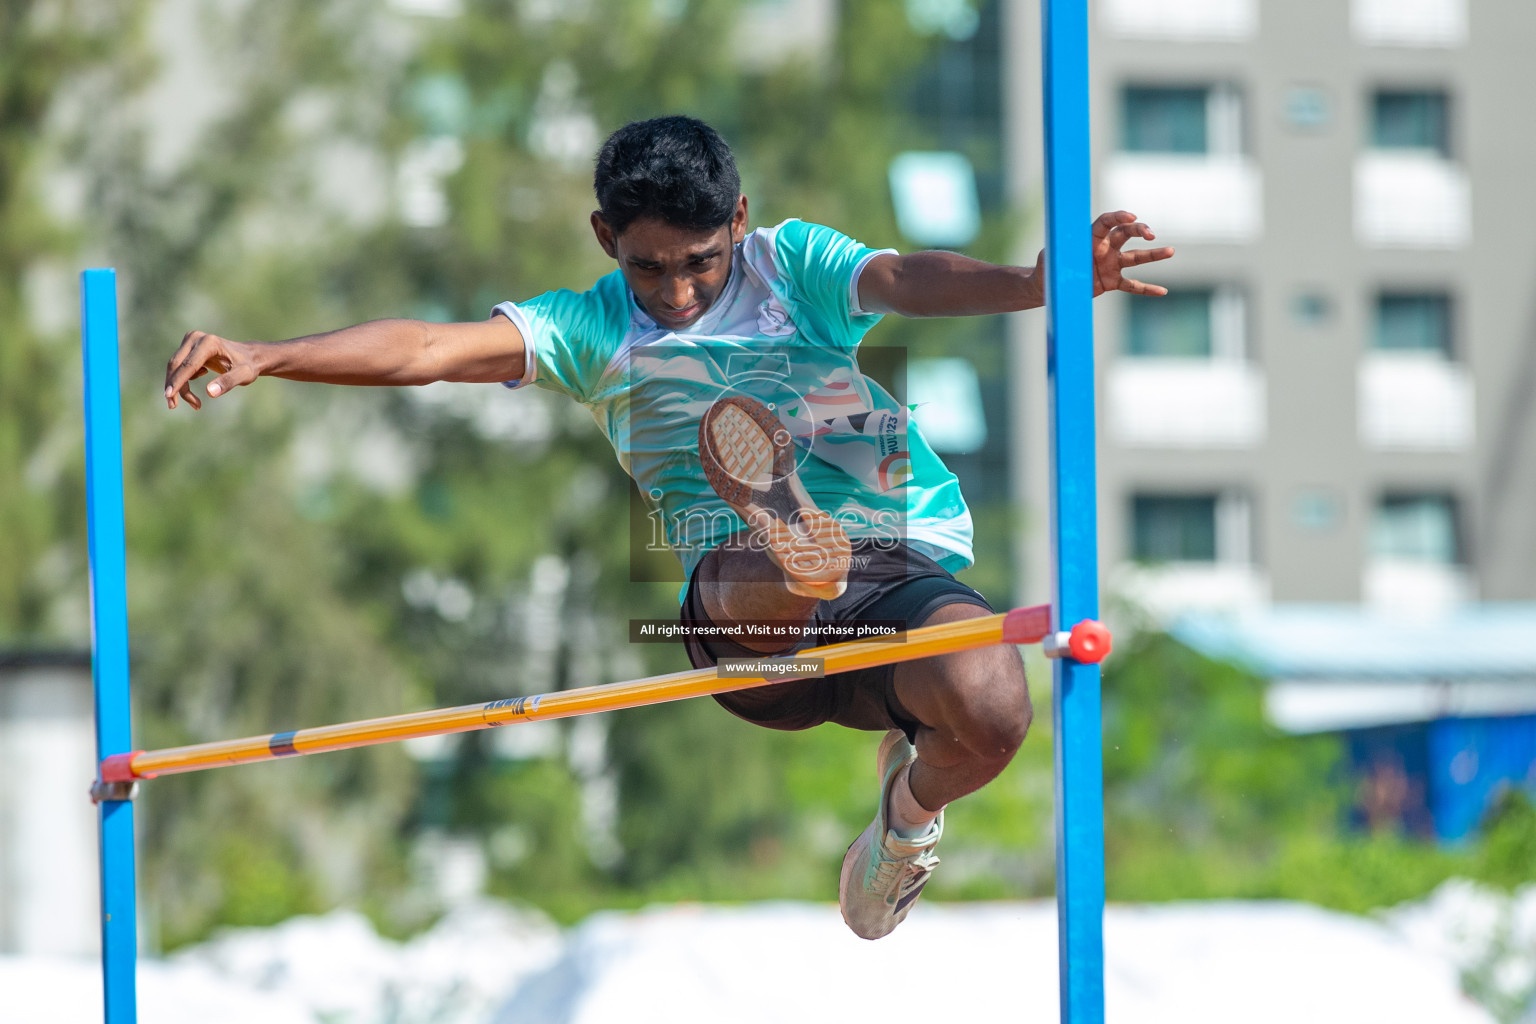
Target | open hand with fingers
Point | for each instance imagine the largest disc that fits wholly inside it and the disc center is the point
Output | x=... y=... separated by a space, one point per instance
x=1110 y=259
x=235 y=362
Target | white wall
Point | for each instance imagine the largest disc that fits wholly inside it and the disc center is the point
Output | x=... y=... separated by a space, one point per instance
x=48 y=863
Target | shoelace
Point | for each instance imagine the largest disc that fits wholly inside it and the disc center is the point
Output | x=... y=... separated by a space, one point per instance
x=899 y=876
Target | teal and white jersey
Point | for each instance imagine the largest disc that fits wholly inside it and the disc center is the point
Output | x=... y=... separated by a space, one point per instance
x=784 y=330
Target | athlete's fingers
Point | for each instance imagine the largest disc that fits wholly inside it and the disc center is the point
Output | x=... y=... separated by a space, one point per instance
x=236 y=376
x=187 y=393
x=188 y=340
x=1136 y=257
x=189 y=366
x=184 y=390
x=1106 y=221
x=190 y=352
x=1135 y=287
x=1122 y=233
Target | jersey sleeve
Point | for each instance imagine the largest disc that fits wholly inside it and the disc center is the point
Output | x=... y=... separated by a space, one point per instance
x=822 y=267
x=569 y=337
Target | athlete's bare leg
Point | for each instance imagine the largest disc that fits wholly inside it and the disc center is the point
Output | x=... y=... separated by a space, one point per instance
x=974 y=708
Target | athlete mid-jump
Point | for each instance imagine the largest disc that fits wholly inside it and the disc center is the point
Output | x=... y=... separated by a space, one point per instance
x=721 y=363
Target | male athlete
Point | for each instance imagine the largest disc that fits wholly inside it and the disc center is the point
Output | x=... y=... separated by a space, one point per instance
x=721 y=364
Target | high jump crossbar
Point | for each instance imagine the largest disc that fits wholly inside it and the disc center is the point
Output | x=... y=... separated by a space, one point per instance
x=1087 y=641
x=1079 y=801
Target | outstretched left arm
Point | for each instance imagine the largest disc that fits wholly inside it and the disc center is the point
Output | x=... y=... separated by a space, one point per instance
x=948 y=284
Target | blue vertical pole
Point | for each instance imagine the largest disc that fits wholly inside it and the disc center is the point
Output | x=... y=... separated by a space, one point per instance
x=1074 y=514
x=109 y=631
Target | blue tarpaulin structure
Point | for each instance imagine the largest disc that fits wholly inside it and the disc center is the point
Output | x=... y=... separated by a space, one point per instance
x=1439 y=714
x=1471 y=762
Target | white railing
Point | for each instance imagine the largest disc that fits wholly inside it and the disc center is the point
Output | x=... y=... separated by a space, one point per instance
x=1211 y=198
x=1183 y=20
x=1186 y=403
x=1415 y=401
x=1409 y=22
x=1411 y=200
x=1169 y=590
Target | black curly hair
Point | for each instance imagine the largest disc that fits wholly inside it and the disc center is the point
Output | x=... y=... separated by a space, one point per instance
x=677 y=169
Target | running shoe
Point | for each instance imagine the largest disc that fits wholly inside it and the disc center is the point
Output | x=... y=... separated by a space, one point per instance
x=883 y=872
x=749 y=459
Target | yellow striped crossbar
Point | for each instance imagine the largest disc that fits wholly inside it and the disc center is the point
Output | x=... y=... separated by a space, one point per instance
x=1019 y=626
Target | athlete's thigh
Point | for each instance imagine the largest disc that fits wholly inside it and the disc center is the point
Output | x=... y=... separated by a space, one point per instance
x=966 y=692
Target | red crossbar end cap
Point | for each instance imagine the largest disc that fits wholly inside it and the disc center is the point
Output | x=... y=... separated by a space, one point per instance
x=119 y=768
x=1090 y=642
x=1027 y=625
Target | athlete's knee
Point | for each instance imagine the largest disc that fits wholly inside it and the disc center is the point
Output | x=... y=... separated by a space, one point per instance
x=984 y=701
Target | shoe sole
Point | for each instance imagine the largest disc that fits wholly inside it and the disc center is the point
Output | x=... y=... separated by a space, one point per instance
x=749 y=460
x=883 y=764
x=888 y=743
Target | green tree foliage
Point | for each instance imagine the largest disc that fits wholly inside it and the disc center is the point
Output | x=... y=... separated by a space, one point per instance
x=44 y=48
x=1203 y=798
x=242 y=619
x=301 y=555
x=1190 y=763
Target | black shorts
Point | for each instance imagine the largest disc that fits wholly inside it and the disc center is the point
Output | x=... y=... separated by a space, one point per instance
x=892 y=583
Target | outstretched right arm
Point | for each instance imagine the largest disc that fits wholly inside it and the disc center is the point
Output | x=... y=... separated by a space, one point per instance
x=381 y=352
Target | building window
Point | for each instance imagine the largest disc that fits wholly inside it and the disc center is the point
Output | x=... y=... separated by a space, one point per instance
x=1412 y=120
x=1161 y=120
x=1191 y=120
x=1413 y=322
x=1317 y=509
x=1311 y=308
x=1173 y=528
x=1181 y=164
x=1190 y=550
x=1418 y=528
x=1308 y=108
x=1409 y=193
x=1187 y=323
x=1177 y=324
x=1186 y=380
x=935 y=198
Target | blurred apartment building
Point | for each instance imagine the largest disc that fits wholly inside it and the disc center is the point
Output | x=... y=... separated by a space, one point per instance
x=1333 y=403
x=1326 y=433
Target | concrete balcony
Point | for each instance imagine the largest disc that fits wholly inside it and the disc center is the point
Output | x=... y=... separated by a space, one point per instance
x=1409 y=22
x=1205 y=198
x=1186 y=403
x=1415 y=402
x=1181 y=20
x=1411 y=200
x=1169 y=590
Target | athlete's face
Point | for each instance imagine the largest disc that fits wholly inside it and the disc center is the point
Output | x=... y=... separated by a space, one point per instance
x=676 y=274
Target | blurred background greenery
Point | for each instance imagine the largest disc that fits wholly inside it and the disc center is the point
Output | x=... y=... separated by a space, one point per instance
x=299 y=555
